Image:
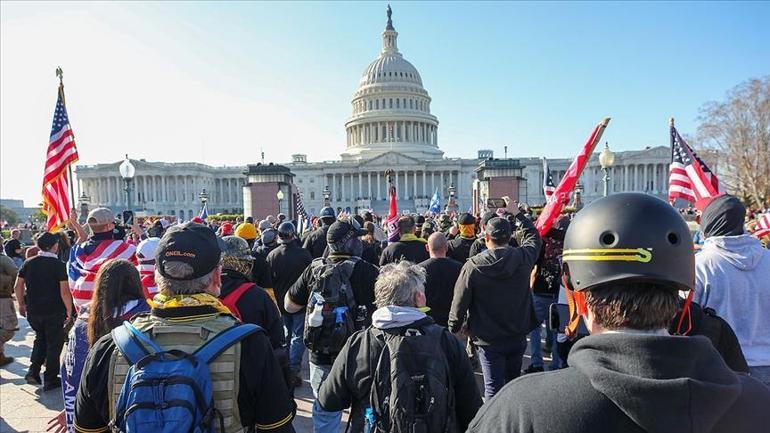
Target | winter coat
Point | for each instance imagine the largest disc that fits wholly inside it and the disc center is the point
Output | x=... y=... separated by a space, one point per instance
x=493 y=291
x=733 y=278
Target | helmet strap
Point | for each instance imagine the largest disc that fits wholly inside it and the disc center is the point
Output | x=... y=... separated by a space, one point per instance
x=685 y=312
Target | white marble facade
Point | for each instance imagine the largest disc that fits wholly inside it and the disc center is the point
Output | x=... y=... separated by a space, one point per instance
x=161 y=188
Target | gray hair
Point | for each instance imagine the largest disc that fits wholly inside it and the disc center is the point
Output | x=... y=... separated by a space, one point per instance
x=172 y=287
x=398 y=283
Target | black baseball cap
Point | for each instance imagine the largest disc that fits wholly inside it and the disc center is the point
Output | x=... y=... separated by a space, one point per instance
x=191 y=243
x=46 y=241
x=343 y=230
x=466 y=219
x=486 y=217
x=499 y=229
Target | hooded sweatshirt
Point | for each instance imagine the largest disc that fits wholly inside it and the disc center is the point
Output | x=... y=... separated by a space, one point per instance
x=631 y=383
x=350 y=380
x=733 y=278
x=493 y=291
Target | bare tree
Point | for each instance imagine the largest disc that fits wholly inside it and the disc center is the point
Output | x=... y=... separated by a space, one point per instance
x=736 y=135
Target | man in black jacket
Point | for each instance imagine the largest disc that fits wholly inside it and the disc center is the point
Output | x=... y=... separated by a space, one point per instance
x=626 y=257
x=409 y=247
x=460 y=246
x=315 y=242
x=287 y=262
x=344 y=244
x=251 y=303
x=400 y=298
x=493 y=289
x=441 y=274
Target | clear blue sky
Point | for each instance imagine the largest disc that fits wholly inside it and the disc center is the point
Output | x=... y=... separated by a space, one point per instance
x=215 y=82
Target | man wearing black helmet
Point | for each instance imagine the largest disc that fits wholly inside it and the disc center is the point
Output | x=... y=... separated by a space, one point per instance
x=315 y=242
x=287 y=262
x=625 y=259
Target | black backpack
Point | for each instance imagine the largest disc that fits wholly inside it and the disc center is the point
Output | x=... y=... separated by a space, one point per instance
x=412 y=390
x=331 y=297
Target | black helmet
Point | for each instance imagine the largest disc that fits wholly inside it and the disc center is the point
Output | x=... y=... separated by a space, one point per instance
x=328 y=212
x=286 y=231
x=628 y=236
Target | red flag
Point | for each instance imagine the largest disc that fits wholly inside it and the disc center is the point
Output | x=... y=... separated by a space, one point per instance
x=560 y=197
x=392 y=219
x=61 y=153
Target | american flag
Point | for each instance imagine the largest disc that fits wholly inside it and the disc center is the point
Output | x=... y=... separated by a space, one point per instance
x=303 y=219
x=204 y=215
x=61 y=153
x=763 y=226
x=85 y=261
x=548 y=186
x=689 y=177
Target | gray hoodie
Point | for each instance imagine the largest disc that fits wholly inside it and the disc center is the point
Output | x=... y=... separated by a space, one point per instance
x=733 y=278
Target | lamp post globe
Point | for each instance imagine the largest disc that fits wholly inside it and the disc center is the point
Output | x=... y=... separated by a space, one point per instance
x=279 y=195
x=127 y=172
x=606 y=160
x=204 y=196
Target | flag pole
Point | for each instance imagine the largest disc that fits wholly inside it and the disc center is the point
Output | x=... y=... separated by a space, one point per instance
x=60 y=74
x=671 y=133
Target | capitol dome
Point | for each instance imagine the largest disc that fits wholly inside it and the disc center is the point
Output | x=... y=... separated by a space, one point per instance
x=391 y=108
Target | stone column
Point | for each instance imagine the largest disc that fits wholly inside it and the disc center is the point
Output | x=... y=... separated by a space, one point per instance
x=644 y=176
x=342 y=187
x=442 y=184
x=379 y=195
x=369 y=185
x=424 y=192
x=398 y=191
x=406 y=185
x=432 y=182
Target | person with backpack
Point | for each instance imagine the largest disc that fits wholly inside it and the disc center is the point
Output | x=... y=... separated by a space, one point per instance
x=338 y=292
x=188 y=365
x=287 y=262
x=626 y=257
x=247 y=301
x=403 y=349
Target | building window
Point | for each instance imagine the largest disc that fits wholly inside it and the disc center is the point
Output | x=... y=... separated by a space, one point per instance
x=398 y=103
x=370 y=104
x=378 y=104
x=312 y=195
x=411 y=104
x=391 y=102
x=312 y=180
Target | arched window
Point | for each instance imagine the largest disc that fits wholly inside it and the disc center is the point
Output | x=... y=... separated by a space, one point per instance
x=370 y=104
x=411 y=104
x=378 y=104
x=398 y=105
x=391 y=102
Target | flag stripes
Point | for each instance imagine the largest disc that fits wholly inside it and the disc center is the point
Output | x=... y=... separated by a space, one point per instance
x=60 y=154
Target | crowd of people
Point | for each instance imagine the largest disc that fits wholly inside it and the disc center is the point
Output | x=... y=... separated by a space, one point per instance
x=178 y=326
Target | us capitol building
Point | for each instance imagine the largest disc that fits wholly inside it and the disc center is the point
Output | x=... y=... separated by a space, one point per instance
x=391 y=128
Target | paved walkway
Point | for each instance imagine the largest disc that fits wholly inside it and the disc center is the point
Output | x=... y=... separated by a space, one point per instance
x=26 y=408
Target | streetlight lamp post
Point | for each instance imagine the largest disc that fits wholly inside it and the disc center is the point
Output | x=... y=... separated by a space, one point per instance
x=127 y=172
x=204 y=196
x=606 y=159
x=279 y=195
x=327 y=195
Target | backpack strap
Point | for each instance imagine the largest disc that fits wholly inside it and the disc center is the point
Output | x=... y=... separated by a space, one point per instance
x=132 y=343
x=222 y=341
x=233 y=297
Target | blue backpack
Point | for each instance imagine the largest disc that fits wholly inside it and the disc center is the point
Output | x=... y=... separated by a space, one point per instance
x=170 y=391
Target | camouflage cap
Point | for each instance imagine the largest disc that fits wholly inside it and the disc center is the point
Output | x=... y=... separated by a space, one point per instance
x=236 y=248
